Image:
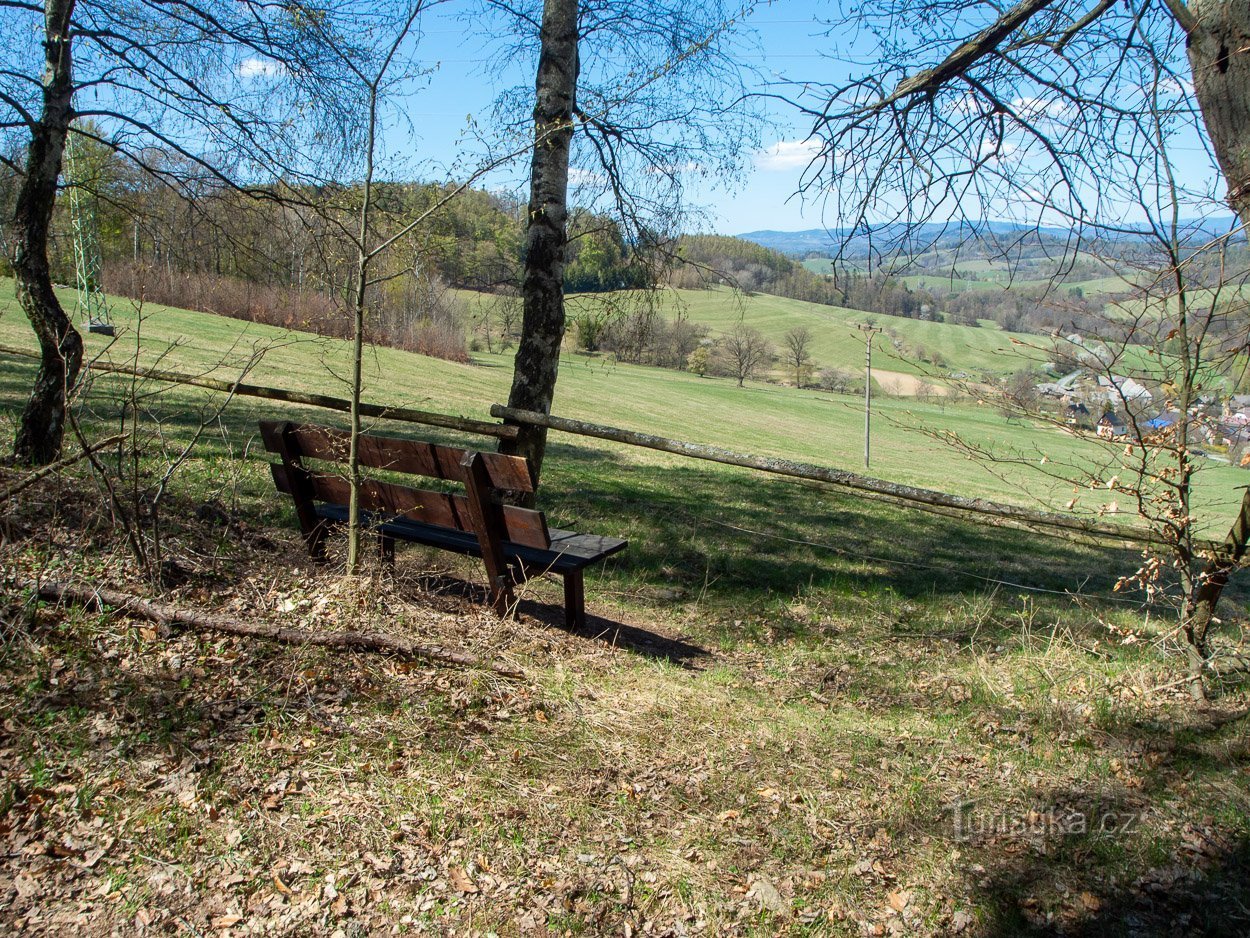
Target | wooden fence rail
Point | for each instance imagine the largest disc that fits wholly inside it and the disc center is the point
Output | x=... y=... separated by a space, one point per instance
x=403 y=414
x=994 y=512
x=1048 y=522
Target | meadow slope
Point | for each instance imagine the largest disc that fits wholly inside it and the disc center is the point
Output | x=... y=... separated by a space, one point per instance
x=768 y=419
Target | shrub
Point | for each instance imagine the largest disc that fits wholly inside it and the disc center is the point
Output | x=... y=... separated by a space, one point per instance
x=437 y=331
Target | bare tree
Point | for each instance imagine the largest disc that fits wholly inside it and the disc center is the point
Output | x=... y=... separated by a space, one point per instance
x=1071 y=83
x=542 y=285
x=42 y=425
x=372 y=74
x=746 y=353
x=210 y=80
x=1073 y=114
x=374 y=64
x=636 y=94
x=798 y=353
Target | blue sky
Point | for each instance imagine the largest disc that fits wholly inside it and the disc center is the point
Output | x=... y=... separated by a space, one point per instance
x=444 y=113
x=439 y=111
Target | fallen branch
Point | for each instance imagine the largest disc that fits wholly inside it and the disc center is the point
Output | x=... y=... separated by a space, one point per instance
x=165 y=614
x=58 y=466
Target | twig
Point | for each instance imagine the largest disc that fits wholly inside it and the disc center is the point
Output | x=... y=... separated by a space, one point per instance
x=166 y=614
x=57 y=467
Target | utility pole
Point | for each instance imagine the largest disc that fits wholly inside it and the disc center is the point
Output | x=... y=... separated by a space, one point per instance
x=868 y=331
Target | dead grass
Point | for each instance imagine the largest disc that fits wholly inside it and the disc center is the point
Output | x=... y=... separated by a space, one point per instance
x=840 y=772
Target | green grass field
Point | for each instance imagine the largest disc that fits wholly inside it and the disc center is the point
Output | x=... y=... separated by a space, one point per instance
x=782 y=691
x=766 y=419
x=837 y=342
x=992 y=274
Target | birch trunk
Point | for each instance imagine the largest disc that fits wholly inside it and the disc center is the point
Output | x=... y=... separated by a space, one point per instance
x=542 y=288
x=42 y=425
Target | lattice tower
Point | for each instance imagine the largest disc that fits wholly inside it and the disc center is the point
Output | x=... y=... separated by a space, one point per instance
x=88 y=263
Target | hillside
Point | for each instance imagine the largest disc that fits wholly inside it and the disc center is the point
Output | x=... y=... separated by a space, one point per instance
x=837 y=343
x=818 y=427
x=972 y=237
x=794 y=710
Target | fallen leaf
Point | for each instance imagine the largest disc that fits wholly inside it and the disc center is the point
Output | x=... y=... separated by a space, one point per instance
x=1091 y=901
x=898 y=900
x=460 y=881
x=766 y=895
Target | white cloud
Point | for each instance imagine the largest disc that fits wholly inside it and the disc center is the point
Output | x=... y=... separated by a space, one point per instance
x=586 y=177
x=997 y=150
x=1033 y=109
x=258 y=68
x=788 y=154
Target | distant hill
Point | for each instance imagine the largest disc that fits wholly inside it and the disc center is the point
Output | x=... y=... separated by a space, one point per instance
x=892 y=238
x=984 y=238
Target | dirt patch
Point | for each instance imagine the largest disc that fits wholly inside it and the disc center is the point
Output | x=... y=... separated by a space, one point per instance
x=905 y=385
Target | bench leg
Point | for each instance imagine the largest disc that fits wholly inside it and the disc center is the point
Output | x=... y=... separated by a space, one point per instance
x=315 y=538
x=574 y=599
x=386 y=549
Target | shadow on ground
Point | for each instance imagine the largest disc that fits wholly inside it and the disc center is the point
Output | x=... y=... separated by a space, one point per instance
x=632 y=638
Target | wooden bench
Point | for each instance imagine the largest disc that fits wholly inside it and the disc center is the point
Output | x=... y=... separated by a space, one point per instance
x=514 y=543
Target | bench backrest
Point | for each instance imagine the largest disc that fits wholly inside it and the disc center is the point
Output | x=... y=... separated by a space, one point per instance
x=483 y=475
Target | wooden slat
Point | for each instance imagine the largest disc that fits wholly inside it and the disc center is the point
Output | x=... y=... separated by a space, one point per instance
x=525 y=526
x=589 y=547
x=295 y=476
x=271 y=434
x=417 y=504
x=488 y=523
x=522 y=525
x=536 y=560
x=414 y=457
x=280 y=480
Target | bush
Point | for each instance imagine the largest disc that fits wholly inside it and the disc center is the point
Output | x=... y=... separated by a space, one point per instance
x=437 y=331
x=838 y=380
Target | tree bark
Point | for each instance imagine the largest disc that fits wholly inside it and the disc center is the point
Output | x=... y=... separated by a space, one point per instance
x=542 y=287
x=1204 y=596
x=42 y=425
x=1219 y=57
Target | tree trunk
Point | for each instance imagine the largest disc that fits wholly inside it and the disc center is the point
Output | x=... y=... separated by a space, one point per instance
x=42 y=423
x=1217 y=42
x=1205 y=593
x=542 y=288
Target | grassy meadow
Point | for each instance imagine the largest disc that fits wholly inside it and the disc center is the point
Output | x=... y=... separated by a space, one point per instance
x=766 y=419
x=795 y=711
x=836 y=339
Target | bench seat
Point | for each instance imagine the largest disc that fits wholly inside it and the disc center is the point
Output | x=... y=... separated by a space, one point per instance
x=569 y=551
x=514 y=542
